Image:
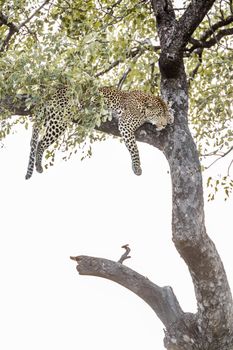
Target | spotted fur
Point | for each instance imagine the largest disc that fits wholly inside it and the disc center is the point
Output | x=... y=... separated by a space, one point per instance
x=132 y=108
x=51 y=121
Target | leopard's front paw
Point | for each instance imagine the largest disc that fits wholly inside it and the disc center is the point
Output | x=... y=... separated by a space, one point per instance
x=39 y=168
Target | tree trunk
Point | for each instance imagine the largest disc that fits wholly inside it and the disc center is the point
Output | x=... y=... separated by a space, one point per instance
x=212 y=326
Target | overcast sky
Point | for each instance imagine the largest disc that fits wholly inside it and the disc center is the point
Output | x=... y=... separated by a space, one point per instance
x=91 y=207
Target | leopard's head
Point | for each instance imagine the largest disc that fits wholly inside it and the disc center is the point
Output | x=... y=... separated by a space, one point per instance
x=158 y=113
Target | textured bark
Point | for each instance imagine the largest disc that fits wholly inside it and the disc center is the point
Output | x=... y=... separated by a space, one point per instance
x=214 y=317
x=15 y=105
x=161 y=300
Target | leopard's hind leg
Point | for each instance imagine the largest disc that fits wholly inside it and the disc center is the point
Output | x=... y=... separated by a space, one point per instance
x=127 y=129
x=53 y=131
x=32 y=156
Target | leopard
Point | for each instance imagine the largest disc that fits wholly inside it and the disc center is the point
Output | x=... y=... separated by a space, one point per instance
x=131 y=108
x=51 y=119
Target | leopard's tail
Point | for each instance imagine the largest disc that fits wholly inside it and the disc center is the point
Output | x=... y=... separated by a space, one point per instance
x=32 y=156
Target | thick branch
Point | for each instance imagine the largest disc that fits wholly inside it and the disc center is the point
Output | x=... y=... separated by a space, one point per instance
x=147 y=133
x=162 y=300
x=211 y=42
x=174 y=35
x=15 y=105
x=182 y=30
x=209 y=32
x=192 y=17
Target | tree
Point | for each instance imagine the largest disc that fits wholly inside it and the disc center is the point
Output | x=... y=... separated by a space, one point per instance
x=75 y=42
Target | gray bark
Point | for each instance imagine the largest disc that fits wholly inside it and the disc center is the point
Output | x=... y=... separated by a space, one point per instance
x=161 y=299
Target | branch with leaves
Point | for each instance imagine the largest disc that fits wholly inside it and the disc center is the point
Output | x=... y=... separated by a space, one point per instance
x=220 y=156
x=212 y=35
x=135 y=53
x=15 y=28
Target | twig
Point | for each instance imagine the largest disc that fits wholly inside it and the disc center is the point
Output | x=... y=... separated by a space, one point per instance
x=131 y=54
x=113 y=65
x=33 y=14
x=222 y=156
x=126 y=254
x=195 y=70
x=213 y=153
x=123 y=78
x=136 y=52
x=229 y=167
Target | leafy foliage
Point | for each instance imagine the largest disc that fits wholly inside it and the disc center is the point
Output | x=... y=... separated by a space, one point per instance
x=211 y=95
x=85 y=44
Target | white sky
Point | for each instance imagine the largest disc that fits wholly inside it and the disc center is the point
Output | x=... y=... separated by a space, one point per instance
x=91 y=207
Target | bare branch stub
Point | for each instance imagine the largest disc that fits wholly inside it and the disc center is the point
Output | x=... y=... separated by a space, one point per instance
x=161 y=299
x=126 y=254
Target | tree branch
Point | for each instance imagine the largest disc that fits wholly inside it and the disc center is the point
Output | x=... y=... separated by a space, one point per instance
x=133 y=53
x=179 y=32
x=213 y=41
x=221 y=33
x=14 y=105
x=192 y=17
x=13 y=28
x=161 y=299
x=203 y=43
x=228 y=20
x=34 y=13
x=123 y=78
x=126 y=254
x=220 y=157
x=195 y=70
x=146 y=133
x=229 y=167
